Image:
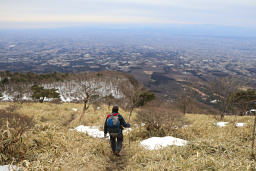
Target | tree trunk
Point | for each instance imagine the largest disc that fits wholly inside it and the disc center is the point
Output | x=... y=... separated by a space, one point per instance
x=41 y=100
x=222 y=116
x=130 y=113
x=86 y=106
x=184 y=108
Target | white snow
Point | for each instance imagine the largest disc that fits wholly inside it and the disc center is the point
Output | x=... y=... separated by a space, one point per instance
x=214 y=101
x=155 y=143
x=127 y=130
x=74 y=109
x=8 y=168
x=67 y=99
x=240 y=124
x=25 y=97
x=91 y=131
x=253 y=110
x=6 y=97
x=94 y=131
x=222 y=124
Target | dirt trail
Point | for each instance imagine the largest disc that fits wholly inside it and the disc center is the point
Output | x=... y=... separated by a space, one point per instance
x=118 y=162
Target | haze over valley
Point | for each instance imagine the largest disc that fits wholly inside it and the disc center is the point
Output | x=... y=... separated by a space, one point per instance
x=165 y=61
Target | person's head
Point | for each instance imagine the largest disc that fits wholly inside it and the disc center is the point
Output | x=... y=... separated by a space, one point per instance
x=115 y=109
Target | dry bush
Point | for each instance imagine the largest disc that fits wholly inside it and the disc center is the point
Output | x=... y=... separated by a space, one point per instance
x=12 y=127
x=160 y=120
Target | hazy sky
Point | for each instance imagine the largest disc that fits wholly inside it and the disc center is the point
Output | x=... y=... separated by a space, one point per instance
x=52 y=13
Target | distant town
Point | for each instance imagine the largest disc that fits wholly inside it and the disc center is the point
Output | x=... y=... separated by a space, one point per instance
x=162 y=63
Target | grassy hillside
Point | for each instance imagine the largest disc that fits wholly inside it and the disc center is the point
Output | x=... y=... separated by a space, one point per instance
x=50 y=144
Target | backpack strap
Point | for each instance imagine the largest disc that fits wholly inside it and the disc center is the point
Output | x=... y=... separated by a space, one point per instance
x=114 y=114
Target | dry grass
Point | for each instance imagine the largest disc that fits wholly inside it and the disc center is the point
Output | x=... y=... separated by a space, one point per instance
x=12 y=127
x=210 y=148
x=51 y=145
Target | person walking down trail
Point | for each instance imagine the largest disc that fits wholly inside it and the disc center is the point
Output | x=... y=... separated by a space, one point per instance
x=114 y=125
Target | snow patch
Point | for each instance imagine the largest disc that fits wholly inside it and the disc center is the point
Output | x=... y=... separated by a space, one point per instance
x=75 y=109
x=214 y=101
x=127 y=130
x=222 y=124
x=25 y=97
x=155 y=143
x=8 y=168
x=92 y=131
x=6 y=97
x=240 y=124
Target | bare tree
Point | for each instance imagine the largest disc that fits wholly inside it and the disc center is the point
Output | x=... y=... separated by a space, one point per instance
x=185 y=100
x=89 y=93
x=109 y=100
x=132 y=90
x=221 y=89
x=18 y=91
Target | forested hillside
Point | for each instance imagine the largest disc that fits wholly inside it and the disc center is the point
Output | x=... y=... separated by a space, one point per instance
x=69 y=87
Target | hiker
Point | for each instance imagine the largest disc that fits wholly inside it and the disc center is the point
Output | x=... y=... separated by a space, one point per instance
x=114 y=125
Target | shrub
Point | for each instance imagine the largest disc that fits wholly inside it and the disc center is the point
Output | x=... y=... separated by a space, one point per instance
x=12 y=127
x=160 y=120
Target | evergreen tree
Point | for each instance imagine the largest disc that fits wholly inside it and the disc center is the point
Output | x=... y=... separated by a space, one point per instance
x=39 y=93
x=244 y=99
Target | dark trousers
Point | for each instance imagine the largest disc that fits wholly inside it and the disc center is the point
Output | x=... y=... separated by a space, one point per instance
x=116 y=142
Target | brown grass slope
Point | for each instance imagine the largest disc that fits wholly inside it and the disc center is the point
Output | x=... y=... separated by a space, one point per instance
x=50 y=144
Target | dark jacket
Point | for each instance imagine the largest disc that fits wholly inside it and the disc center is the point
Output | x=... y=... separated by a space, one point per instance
x=123 y=124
